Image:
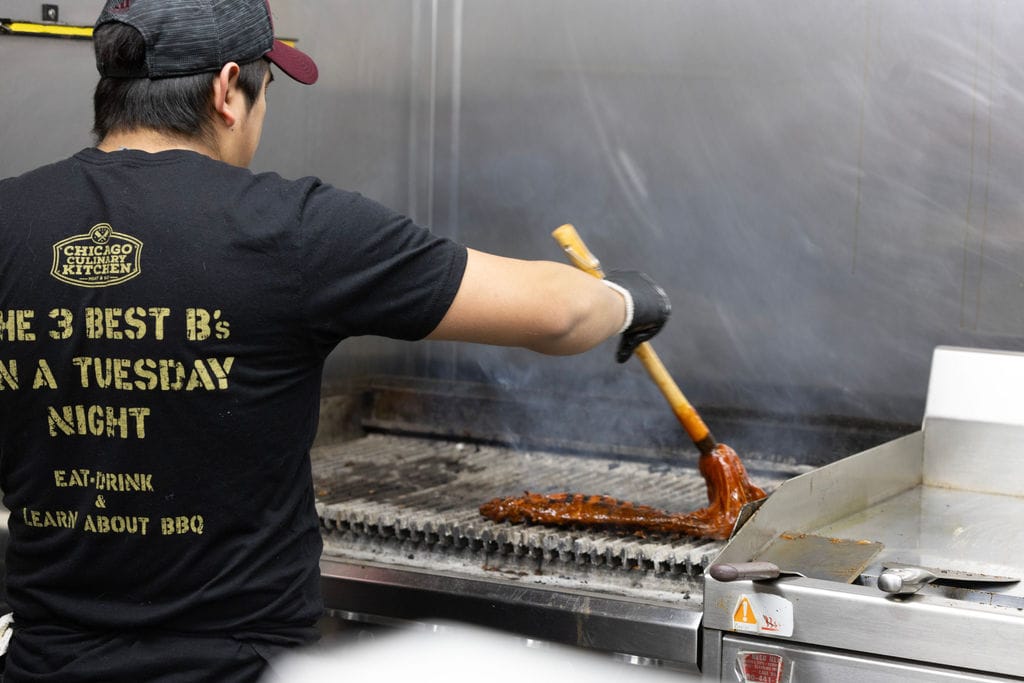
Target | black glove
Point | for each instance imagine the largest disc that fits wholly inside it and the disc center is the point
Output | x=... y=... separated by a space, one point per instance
x=651 y=309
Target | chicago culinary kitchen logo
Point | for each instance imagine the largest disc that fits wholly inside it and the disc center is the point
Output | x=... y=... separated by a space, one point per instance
x=100 y=258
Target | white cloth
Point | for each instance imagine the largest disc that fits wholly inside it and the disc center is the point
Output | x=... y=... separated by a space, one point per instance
x=457 y=653
x=6 y=631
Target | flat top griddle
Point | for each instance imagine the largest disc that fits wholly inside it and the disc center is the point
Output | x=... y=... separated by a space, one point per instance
x=947 y=529
x=949 y=497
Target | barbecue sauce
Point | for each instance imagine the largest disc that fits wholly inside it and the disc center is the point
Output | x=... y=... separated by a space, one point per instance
x=728 y=489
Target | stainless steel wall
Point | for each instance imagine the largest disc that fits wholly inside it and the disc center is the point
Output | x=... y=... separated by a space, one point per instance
x=827 y=189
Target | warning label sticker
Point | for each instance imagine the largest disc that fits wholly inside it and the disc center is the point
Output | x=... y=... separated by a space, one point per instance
x=759 y=667
x=763 y=613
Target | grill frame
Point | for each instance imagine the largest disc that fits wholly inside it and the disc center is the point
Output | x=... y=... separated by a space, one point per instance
x=385 y=594
x=391 y=554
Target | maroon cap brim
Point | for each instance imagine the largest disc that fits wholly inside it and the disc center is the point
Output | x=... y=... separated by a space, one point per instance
x=295 y=63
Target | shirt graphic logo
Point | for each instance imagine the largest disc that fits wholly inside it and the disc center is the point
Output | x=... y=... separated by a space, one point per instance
x=101 y=258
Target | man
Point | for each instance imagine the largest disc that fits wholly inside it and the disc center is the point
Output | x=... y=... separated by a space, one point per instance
x=164 y=318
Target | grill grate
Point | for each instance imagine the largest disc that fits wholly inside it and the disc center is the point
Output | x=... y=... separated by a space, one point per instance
x=404 y=499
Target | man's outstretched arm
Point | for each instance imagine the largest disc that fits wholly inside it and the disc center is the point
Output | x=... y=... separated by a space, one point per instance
x=544 y=306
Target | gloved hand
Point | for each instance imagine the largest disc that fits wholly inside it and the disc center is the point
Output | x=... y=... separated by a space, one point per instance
x=647 y=309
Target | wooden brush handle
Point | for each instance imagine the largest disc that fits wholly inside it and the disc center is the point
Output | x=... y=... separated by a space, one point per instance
x=579 y=255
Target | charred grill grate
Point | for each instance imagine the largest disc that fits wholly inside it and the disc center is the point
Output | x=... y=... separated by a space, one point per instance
x=409 y=499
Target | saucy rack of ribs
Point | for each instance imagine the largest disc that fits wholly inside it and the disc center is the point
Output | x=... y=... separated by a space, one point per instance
x=728 y=488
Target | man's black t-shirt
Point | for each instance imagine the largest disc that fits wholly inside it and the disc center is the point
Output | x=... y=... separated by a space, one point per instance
x=164 y=319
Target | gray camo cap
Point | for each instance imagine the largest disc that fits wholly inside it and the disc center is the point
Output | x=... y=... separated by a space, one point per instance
x=186 y=37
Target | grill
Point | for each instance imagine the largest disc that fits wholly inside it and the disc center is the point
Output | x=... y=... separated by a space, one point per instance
x=420 y=497
x=403 y=538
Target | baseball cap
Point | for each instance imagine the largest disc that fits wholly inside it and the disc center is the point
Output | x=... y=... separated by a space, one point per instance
x=186 y=37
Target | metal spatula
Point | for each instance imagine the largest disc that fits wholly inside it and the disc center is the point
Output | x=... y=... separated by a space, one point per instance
x=816 y=557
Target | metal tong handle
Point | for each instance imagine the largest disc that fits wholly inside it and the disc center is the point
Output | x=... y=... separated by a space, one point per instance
x=744 y=571
x=904 y=580
x=579 y=255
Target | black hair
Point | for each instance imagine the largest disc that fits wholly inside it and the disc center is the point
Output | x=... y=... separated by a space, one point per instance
x=181 y=106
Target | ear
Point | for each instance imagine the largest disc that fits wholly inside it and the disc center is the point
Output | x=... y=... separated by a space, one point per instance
x=227 y=98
